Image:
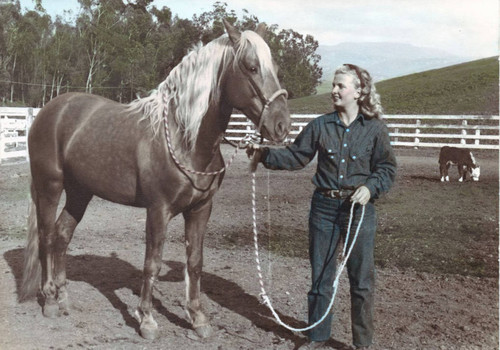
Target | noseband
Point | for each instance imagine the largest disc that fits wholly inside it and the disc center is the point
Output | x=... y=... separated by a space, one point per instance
x=265 y=101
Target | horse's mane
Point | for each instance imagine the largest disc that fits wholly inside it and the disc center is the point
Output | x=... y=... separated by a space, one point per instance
x=194 y=83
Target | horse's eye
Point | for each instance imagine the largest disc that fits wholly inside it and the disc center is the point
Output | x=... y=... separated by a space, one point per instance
x=253 y=69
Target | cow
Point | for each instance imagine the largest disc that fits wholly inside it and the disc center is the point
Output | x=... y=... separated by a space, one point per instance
x=463 y=158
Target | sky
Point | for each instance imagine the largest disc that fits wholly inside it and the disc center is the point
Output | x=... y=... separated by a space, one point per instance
x=459 y=27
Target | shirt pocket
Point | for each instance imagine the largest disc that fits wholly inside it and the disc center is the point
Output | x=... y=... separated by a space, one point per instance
x=360 y=160
x=329 y=152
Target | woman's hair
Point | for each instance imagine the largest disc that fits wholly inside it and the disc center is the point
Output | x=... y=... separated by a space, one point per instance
x=369 y=101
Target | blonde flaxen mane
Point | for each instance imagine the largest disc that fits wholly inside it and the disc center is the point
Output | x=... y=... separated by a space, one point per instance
x=194 y=83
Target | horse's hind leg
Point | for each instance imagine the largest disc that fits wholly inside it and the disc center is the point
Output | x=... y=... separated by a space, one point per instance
x=47 y=200
x=77 y=200
x=156 y=227
x=196 y=223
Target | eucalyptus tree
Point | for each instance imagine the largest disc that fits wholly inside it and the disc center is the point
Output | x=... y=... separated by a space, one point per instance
x=62 y=59
x=9 y=17
x=96 y=24
x=295 y=54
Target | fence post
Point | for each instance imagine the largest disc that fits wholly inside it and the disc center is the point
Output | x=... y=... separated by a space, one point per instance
x=396 y=130
x=29 y=121
x=464 y=132
x=2 y=144
x=478 y=133
x=417 y=131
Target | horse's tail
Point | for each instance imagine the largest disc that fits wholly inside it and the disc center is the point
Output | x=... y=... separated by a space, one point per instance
x=32 y=267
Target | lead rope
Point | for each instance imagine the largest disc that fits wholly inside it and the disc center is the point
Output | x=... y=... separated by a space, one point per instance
x=343 y=262
x=243 y=143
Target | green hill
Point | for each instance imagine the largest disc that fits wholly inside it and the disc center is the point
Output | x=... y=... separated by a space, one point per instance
x=469 y=88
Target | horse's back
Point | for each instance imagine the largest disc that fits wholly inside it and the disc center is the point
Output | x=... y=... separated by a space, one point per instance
x=58 y=119
x=87 y=138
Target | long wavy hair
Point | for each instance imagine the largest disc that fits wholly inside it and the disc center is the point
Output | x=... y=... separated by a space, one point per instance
x=369 y=101
x=194 y=83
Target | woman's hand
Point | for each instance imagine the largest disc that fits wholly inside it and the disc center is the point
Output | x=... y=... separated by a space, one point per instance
x=254 y=153
x=361 y=195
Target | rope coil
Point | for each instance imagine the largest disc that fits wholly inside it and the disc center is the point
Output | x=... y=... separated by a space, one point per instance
x=345 y=257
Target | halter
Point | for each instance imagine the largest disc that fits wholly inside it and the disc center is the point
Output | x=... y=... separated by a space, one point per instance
x=244 y=141
x=265 y=101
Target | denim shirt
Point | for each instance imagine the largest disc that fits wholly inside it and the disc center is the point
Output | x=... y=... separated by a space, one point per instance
x=348 y=156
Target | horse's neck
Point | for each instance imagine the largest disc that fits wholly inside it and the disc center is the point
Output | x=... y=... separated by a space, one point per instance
x=212 y=129
x=205 y=154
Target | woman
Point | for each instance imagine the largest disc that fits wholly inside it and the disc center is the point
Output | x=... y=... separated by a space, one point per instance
x=355 y=164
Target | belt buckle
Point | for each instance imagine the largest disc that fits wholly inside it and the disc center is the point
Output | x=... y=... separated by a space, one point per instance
x=336 y=194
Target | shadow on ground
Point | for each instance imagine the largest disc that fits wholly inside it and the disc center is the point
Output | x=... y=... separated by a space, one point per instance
x=101 y=273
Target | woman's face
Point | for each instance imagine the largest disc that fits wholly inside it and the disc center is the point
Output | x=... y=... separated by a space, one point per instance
x=344 y=92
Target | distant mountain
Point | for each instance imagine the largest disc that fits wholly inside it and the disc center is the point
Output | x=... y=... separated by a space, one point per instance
x=385 y=60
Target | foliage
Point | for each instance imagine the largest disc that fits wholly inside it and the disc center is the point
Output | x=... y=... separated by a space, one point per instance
x=121 y=49
x=298 y=61
x=470 y=88
x=295 y=55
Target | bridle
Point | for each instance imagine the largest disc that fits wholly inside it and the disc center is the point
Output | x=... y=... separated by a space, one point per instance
x=243 y=142
x=266 y=102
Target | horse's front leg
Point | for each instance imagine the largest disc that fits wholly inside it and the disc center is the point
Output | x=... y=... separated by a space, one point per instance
x=156 y=227
x=196 y=224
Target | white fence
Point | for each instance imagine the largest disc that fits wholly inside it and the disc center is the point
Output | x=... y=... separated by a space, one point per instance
x=479 y=132
x=14 y=126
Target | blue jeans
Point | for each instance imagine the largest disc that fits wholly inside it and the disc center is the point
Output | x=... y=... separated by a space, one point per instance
x=328 y=222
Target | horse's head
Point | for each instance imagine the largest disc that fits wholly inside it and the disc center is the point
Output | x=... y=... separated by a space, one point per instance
x=252 y=85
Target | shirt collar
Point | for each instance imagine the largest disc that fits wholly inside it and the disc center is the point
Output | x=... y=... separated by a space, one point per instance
x=336 y=119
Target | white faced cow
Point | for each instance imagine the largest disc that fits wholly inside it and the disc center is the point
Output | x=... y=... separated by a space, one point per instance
x=463 y=158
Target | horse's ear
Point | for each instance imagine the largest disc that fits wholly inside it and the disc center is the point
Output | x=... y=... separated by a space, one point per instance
x=233 y=33
x=261 y=30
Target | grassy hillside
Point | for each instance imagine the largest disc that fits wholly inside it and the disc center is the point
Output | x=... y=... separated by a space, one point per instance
x=469 y=88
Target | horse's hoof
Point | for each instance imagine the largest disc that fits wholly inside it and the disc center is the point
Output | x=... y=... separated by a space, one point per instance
x=64 y=310
x=204 y=331
x=64 y=307
x=51 y=310
x=149 y=333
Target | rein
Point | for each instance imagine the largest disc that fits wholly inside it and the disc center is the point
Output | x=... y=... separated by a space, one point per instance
x=343 y=262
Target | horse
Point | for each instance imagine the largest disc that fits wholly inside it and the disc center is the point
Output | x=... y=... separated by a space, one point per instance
x=87 y=145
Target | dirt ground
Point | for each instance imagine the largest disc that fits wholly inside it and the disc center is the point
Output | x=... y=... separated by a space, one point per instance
x=414 y=310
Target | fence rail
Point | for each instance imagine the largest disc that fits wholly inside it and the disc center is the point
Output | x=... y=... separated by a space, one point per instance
x=472 y=131
x=14 y=125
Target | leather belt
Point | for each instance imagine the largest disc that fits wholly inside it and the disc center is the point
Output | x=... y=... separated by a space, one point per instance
x=336 y=194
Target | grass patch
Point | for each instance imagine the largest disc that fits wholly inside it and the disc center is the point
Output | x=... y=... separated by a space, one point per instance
x=470 y=88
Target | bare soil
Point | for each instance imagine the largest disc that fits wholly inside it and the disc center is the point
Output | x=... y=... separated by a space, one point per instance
x=414 y=309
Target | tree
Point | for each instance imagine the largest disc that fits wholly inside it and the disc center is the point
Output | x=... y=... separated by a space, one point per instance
x=295 y=54
x=210 y=25
x=63 y=49
x=96 y=26
x=9 y=17
x=122 y=48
